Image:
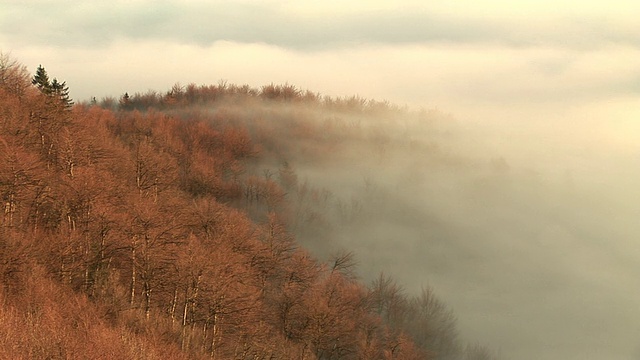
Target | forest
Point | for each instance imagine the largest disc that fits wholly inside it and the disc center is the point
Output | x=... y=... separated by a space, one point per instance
x=189 y=224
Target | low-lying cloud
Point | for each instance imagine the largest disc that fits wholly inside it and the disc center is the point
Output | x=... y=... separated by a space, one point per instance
x=531 y=241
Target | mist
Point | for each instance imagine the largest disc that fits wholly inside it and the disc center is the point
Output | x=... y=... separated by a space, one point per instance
x=509 y=185
x=522 y=219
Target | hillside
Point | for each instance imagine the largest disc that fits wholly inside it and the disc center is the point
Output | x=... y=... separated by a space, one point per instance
x=187 y=224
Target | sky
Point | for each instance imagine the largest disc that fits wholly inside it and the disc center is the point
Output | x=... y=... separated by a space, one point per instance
x=464 y=57
x=537 y=80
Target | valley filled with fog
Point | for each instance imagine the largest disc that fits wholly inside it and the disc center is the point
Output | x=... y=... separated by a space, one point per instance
x=525 y=226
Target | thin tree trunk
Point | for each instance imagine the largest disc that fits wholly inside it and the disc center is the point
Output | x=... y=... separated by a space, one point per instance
x=147 y=300
x=214 y=335
x=173 y=306
x=133 y=271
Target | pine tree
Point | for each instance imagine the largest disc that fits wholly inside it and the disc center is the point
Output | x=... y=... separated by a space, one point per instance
x=61 y=90
x=125 y=102
x=54 y=88
x=41 y=80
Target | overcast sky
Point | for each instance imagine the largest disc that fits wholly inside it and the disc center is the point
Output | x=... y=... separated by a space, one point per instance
x=476 y=59
x=544 y=72
x=410 y=52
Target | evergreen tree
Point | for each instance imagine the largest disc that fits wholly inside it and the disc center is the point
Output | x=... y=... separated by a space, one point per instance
x=125 y=102
x=41 y=80
x=61 y=90
x=54 y=88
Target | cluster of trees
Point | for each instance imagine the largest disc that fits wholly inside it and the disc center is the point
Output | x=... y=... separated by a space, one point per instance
x=193 y=95
x=53 y=88
x=153 y=234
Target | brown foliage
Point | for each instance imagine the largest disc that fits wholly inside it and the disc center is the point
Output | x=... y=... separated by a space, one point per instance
x=155 y=233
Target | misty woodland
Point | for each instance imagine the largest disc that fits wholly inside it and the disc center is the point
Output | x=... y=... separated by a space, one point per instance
x=170 y=226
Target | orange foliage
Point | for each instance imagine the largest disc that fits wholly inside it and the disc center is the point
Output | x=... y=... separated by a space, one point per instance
x=149 y=234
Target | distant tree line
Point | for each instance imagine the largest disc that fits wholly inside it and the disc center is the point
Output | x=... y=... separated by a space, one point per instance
x=196 y=95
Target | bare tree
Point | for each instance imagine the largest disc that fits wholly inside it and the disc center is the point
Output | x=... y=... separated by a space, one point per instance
x=432 y=325
x=14 y=77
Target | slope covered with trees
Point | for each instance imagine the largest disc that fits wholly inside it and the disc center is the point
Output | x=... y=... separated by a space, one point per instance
x=168 y=226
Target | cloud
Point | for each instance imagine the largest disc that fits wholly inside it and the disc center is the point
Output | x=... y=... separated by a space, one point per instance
x=536 y=259
x=83 y=24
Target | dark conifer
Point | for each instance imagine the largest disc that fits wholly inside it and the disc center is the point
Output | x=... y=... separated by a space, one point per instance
x=53 y=88
x=61 y=90
x=41 y=80
x=125 y=102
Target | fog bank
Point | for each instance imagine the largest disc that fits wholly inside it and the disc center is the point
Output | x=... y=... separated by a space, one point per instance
x=524 y=220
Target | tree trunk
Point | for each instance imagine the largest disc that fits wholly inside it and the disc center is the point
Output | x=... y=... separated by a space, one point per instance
x=134 y=243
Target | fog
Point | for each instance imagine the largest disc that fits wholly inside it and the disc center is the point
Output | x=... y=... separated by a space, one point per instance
x=517 y=201
x=519 y=208
x=523 y=220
